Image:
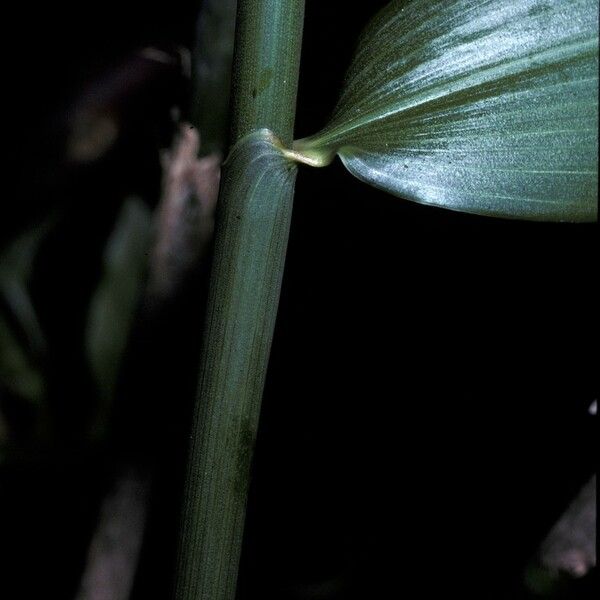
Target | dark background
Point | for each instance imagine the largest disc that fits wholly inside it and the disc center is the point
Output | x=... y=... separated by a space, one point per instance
x=425 y=416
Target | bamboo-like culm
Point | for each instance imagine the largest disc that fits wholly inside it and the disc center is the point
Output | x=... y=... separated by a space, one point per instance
x=253 y=219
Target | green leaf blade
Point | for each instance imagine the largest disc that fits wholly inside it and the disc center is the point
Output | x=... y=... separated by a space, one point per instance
x=483 y=107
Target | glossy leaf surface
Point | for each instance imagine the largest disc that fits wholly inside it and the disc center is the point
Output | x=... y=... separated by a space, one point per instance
x=488 y=107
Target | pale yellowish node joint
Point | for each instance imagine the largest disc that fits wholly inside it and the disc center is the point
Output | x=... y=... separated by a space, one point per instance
x=311 y=157
x=301 y=153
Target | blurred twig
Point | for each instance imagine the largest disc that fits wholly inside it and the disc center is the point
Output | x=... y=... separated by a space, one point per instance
x=571 y=544
x=185 y=215
x=211 y=72
x=115 y=547
x=183 y=230
x=101 y=110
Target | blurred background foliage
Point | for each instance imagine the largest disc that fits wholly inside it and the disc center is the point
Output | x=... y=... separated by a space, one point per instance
x=426 y=414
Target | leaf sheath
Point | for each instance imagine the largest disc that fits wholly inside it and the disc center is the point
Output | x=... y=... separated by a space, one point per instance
x=241 y=317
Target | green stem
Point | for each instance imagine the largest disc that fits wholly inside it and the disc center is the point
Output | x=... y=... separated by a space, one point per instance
x=255 y=208
x=266 y=64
